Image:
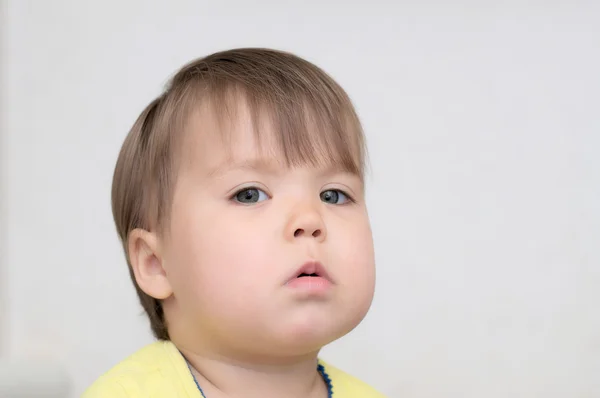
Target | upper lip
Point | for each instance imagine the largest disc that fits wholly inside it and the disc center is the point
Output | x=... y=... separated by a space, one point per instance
x=311 y=267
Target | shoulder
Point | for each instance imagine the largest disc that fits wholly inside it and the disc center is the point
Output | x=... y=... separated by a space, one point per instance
x=345 y=385
x=152 y=369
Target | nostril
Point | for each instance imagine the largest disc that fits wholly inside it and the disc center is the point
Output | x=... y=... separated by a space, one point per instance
x=300 y=232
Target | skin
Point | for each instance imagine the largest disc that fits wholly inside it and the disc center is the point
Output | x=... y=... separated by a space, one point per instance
x=241 y=225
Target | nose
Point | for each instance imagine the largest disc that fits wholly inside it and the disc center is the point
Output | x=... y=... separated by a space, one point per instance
x=306 y=222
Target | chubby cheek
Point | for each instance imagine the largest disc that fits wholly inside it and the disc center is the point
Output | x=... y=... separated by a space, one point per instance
x=356 y=265
x=217 y=263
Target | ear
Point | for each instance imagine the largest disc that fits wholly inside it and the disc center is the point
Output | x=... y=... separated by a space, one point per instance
x=146 y=262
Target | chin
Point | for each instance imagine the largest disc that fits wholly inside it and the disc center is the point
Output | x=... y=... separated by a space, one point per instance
x=310 y=334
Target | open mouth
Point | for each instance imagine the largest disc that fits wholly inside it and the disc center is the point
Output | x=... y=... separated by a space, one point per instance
x=311 y=269
x=305 y=275
x=311 y=279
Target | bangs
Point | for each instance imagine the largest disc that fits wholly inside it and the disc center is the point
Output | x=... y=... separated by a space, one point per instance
x=292 y=125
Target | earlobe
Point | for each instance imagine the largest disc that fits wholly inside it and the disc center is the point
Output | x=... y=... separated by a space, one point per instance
x=146 y=262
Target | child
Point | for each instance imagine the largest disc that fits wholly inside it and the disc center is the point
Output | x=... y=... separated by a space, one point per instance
x=239 y=198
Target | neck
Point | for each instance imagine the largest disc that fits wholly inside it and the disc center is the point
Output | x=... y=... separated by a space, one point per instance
x=228 y=377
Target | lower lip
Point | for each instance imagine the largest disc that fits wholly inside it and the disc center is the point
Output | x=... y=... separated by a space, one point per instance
x=310 y=284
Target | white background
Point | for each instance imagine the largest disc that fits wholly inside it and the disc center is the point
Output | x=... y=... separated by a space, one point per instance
x=483 y=122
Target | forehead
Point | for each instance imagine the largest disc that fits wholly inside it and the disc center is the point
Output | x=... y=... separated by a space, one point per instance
x=238 y=131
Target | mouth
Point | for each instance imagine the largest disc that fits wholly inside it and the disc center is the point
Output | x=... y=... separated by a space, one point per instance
x=310 y=270
x=310 y=280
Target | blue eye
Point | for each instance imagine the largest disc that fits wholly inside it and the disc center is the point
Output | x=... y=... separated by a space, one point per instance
x=250 y=196
x=334 y=197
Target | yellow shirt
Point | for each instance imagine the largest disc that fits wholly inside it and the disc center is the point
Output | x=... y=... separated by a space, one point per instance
x=159 y=370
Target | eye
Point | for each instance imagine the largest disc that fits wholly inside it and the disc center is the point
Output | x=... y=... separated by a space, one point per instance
x=335 y=197
x=250 y=195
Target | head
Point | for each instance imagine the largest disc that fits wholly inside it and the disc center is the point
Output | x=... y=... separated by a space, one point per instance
x=248 y=166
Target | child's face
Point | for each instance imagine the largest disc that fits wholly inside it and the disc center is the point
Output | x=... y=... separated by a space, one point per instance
x=241 y=228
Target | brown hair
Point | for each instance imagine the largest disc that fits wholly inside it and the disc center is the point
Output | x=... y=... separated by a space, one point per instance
x=312 y=116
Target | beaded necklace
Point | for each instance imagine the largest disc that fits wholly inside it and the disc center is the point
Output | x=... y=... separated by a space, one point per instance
x=320 y=369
